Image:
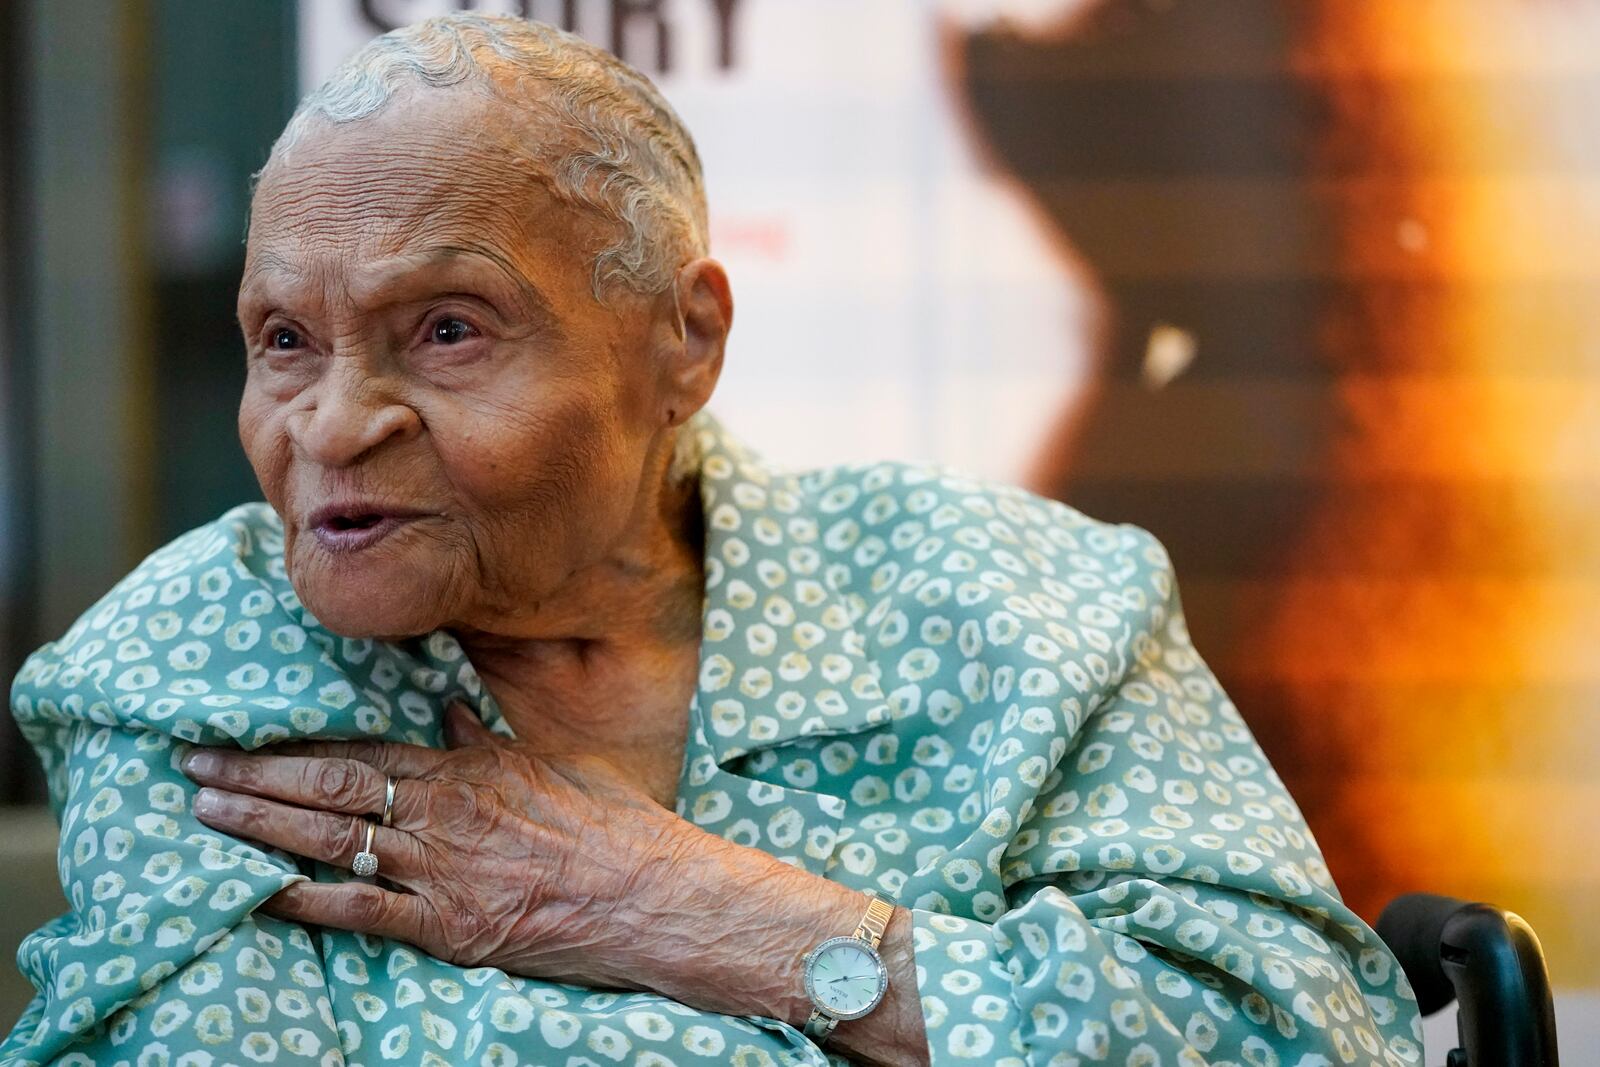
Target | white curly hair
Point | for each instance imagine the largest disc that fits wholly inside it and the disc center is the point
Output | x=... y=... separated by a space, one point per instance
x=628 y=155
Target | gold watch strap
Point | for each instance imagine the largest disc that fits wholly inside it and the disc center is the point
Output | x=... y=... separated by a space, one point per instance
x=875 y=921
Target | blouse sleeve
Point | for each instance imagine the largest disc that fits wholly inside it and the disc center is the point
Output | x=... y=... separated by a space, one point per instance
x=1164 y=901
x=160 y=946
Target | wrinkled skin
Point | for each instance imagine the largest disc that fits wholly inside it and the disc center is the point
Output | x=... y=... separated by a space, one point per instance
x=420 y=331
x=560 y=869
x=506 y=859
x=422 y=338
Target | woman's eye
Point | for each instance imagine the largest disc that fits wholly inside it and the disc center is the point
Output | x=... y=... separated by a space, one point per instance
x=451 y=331
x=283 y=338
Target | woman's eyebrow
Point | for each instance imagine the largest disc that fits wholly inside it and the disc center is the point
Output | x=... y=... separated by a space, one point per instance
x=261 y=269
x=267 y=261
x=397 y=273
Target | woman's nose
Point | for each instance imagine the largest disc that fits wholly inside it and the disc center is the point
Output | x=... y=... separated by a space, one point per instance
x=353 y=412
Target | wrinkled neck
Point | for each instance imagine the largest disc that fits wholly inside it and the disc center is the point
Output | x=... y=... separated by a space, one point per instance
x=620 y=640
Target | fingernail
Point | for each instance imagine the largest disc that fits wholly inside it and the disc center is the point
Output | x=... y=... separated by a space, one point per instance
x=208 y=802
x=201 y=761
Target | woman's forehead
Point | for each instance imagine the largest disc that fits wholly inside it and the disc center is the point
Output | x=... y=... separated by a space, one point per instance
x=394 y=193
x=437 y=159
x=360 y=227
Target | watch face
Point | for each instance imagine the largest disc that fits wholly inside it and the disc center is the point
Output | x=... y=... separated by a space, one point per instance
x=846 y=978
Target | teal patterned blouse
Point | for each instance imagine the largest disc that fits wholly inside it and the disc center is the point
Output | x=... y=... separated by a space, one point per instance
x=976 y=701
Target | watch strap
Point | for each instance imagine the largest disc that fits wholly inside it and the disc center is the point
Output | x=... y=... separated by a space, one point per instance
x=819 y=1027
x=875 y=921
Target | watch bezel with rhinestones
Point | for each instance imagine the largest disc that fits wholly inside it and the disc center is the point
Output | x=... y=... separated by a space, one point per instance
x=856 y=944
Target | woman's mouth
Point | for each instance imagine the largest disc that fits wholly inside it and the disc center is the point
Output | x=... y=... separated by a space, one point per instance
x=350 y=529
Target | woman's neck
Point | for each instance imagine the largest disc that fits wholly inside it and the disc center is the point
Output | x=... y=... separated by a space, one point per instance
x=608 y=666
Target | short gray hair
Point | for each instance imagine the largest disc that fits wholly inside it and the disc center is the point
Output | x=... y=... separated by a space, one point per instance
x=631 y=159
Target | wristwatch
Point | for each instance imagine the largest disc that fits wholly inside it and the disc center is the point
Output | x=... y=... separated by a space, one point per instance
x=845 y=977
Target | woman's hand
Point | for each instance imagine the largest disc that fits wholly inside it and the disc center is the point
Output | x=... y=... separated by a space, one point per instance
x=503 y=858
x=500 y=857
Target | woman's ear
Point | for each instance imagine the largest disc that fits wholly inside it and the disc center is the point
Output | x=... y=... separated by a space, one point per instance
x=702 y=315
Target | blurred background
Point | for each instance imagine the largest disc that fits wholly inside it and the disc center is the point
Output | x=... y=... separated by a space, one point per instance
x=1309 y=290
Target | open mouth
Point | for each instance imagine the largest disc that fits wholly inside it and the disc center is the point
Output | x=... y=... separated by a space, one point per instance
x=356 y=526
x=354 y=522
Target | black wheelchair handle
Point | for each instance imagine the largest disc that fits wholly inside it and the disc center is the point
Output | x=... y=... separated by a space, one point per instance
x=1487 y=958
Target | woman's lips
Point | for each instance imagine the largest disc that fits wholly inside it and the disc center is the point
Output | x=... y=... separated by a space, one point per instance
x=353 y=529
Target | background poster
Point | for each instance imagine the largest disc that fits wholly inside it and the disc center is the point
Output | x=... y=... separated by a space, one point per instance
x=1303 y=289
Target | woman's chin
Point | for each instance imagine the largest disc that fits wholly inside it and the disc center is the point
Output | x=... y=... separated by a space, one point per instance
x=390 y=599
x=372 y=617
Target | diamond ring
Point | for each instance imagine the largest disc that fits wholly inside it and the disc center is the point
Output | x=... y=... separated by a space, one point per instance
x=366 y=862
x=388 y=802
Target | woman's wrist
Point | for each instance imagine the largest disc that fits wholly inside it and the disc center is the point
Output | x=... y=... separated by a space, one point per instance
x=728 y=927
x=894 y=1032
x=752 y=919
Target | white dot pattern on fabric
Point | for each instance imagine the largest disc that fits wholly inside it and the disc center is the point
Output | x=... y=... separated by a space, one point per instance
x=976 y=701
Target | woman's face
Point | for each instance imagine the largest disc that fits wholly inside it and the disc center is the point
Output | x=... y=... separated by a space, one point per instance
x=448 y=422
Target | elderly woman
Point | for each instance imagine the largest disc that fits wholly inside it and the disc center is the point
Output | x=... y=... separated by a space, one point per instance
x=534 y=719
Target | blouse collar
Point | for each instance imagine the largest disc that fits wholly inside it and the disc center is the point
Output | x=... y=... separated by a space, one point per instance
x=780 y=656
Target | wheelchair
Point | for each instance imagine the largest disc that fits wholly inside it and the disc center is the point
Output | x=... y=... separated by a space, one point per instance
x=1487 y=958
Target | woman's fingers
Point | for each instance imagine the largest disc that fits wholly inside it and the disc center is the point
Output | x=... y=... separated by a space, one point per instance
x=358 y=906
x=402 y=761
x=318 y=835
x=329 y=784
